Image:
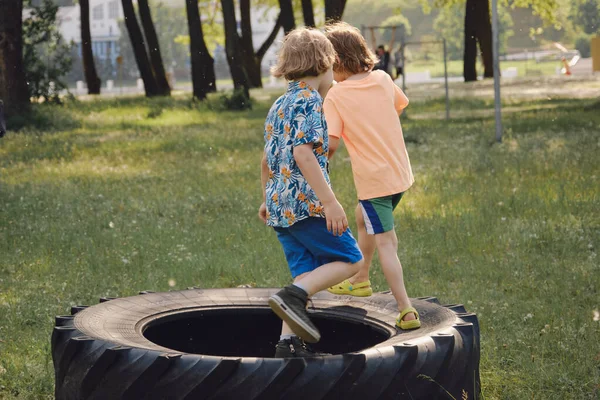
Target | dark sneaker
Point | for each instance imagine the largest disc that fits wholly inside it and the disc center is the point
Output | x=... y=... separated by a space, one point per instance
x=295 y=347
x=290 y=305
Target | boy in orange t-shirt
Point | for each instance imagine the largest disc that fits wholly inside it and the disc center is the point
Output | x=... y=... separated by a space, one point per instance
x=363 y=109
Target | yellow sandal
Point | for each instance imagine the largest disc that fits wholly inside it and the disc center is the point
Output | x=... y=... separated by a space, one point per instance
x=407 y=325
x=362 y=289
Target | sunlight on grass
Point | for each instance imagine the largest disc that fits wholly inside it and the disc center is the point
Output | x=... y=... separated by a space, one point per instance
x=48 y=171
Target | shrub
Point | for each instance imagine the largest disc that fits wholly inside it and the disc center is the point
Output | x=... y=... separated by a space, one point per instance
x=236 y=101
x=583 y=44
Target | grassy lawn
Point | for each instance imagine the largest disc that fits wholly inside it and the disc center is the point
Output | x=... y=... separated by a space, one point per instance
x=455 y=67
x=107 y=198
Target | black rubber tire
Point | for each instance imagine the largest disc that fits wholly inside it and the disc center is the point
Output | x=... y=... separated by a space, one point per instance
x=102 y=353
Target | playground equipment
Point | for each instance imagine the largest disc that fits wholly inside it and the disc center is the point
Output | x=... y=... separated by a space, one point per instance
x=401 y=52
x=596 y=54
x=219 y=344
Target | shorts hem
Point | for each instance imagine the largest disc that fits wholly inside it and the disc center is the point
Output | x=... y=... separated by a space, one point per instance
x=386 y=193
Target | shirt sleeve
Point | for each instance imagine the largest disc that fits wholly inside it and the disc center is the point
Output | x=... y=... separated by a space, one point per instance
x=335 y=125
x=400 y=99
x=306 y=126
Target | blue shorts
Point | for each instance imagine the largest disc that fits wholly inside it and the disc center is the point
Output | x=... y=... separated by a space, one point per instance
x=308 y=244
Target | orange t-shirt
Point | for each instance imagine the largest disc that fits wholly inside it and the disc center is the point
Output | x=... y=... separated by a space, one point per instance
x=365 y=113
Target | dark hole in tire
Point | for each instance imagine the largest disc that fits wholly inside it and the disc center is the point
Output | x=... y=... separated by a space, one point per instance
x=253 y=332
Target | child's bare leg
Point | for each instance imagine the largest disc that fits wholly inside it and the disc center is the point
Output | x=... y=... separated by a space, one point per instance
x=367 y=245
x=327 y=275
x=387 y=247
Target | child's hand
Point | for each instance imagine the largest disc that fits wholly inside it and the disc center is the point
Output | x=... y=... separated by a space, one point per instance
x=262 y=213
x=337 y=223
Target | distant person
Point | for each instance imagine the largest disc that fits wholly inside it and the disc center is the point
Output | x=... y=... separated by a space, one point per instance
x=363 y=109
x=384 y=60
x=399 y=62
x=299 y=204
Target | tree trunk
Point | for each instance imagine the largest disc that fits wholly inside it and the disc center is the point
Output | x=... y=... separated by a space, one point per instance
x=308 y=13
x=2 y=123
x=334 y=9
x=13 y=83
x=247 y=46
x=203 y=65
x=287 y=16
x=154 y=49
x=470 y=56
x=139 y=49
x=484 y=37
x=232 y=48
x=87 y=55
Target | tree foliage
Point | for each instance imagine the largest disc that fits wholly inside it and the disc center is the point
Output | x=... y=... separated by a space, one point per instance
x=46 y=58
x=449 y=24
x=547 y=10
x=586 y=14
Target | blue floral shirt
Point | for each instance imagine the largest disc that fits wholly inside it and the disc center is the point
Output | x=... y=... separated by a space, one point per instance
x=295 y=119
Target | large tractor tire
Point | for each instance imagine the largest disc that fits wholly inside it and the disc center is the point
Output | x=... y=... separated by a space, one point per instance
x=219 y=344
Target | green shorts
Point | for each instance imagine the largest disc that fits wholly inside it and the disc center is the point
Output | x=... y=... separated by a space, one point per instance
x=379 y=213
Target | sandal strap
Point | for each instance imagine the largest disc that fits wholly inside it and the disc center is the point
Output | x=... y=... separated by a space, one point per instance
x=407 y=311
x=360 y=285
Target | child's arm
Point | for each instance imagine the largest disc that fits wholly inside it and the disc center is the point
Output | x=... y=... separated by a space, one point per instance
x=333 y=145
x=335 y=125
x=264 y=176
x=337 y=223
x=400 y=99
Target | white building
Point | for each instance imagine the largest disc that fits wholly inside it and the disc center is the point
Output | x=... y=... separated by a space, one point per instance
x=104 y=27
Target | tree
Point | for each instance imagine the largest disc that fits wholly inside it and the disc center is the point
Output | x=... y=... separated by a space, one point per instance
x=470 y=55
x=287 y=16
x=253 y=60
x=46 y=58
x=154 y=49
x=484 y=37
x=2 y=122
x=13 y=84
x=586 y=14
x=308 y=13
x=478 y=29
x=87 y=55
x=171 y=25
x=232 y=49
x=449 y=24
x=203 y=65
x=139 y=49
x=334 y=9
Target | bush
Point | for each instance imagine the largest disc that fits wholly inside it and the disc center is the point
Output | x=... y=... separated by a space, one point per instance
x=237 y=101
x=46 y=57
x=583 y=44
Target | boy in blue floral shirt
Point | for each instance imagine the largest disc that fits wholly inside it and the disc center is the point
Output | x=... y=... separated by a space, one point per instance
x=298 y=201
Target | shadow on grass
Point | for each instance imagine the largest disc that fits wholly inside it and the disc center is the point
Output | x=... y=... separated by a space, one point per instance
x=44 y=118
x=73 y=114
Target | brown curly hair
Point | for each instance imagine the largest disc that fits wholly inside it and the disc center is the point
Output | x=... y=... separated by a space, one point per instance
x=354 y=55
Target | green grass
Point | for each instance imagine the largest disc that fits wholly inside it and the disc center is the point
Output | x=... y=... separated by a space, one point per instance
x=110 y=197
x=455 y=67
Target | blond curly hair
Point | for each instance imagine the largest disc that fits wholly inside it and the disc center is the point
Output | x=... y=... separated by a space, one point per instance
x=304 y=52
